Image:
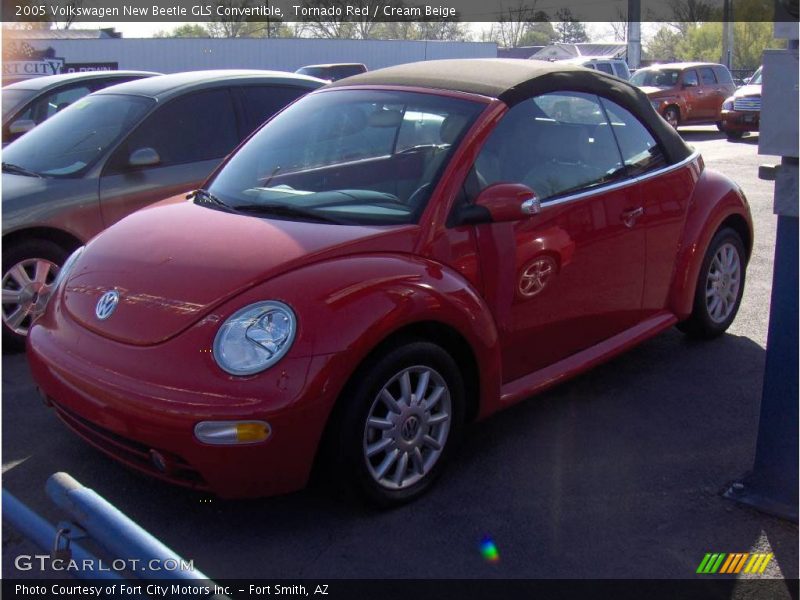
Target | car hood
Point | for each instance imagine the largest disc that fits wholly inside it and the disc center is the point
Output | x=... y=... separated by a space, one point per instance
x=174 y=262
x=748 y=90
x=653 y=91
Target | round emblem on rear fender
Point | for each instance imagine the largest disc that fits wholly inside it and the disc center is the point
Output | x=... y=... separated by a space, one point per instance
x=106 y=305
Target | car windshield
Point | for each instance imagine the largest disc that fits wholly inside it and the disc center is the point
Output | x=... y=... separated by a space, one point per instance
x=12 y=99
x=756 y=78
x=347 y=156
x=72 y=140
x=663 y=78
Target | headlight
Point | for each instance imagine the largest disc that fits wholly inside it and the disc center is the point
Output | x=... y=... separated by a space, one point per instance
x=255 y=338
x=64 y=271
x=728 y=104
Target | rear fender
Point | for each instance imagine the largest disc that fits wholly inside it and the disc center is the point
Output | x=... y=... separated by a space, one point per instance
x=715 y=199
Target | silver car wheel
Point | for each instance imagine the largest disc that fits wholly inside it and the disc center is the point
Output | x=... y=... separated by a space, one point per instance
x=26 y=287
x=722 y=283
x=407 y=427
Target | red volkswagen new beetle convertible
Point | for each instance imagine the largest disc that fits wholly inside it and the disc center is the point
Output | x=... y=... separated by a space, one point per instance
x=388 y=259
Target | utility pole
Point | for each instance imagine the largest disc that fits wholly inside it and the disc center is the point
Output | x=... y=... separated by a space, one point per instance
x=727 y=33
x=634 y=36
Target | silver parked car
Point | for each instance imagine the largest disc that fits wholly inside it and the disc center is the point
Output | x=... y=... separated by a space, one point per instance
x=114 y=152
x=30 y=102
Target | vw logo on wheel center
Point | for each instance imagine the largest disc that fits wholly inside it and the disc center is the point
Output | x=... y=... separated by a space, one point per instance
x=106 y=305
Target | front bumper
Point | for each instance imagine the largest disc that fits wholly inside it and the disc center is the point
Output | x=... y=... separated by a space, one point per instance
x=739 y=120
x=129 y=401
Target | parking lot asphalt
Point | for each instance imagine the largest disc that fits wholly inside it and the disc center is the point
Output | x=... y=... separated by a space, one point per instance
x=615 y=474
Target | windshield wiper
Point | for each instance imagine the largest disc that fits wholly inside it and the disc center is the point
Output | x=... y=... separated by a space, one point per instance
x=17 y=170
x=287 y=210
x=206 y=196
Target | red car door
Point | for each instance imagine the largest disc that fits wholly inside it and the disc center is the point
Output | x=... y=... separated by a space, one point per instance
x=571 y=276
x=693 y=96
x=664 y=194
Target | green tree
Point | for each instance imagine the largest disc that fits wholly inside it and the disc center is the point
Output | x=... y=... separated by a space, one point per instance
x=568 y=29
x=750 y=39
x=663 y=45
x=189 y=30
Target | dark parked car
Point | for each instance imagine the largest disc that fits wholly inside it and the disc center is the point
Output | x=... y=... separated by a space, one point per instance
x=332 y=72
x=742 y=111
x=113 y=152
x=686 y=93
x=348 y=291
x=32 y=101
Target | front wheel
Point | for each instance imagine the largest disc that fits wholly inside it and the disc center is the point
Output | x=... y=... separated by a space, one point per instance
x=734 y=135
x=29 y=270
x=719 y=286
x=672 y=116
x=401 y=422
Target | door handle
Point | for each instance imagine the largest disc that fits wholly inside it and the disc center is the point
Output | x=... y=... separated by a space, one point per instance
x=629 y=217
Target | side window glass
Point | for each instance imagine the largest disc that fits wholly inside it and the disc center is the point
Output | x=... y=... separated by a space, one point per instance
x=605 y=68
x=723 y=75
x=261 y=102
x=622 y=70
x=690 y=77
x=193 y=128
x=556 y=144
x=58 y=101
x=640 y=151
x=707 y=76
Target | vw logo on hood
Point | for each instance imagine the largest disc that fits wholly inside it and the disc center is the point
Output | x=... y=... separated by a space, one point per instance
x=106 y=305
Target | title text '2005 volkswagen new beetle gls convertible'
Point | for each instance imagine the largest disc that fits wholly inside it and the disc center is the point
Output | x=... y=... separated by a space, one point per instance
x=386 y=260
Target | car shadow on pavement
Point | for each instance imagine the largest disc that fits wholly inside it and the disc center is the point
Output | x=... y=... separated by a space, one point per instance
x=616 y=473
x=700 y=135
x=751 y=139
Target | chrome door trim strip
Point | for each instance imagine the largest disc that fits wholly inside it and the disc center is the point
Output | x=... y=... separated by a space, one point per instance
x=622 y=184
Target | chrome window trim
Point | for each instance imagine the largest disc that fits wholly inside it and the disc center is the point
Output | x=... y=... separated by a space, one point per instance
x=619 y=185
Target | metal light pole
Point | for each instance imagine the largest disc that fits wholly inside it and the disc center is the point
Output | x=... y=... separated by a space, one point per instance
x=634 y=36
x=772 y=485
x=727 y=33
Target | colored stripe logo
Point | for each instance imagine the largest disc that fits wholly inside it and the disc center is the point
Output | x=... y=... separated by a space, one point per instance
x=722 y=563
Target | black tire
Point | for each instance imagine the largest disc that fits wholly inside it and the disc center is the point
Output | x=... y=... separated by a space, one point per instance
x=700 y=324
x=19 y=252
x=360 y=400
x=672 y=116
x=734 y=135
x=719 y=126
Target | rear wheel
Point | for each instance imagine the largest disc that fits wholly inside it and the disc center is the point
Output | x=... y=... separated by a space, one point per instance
x=29 y=270
x=734 y=135
x=401 y=421
x=719 y=286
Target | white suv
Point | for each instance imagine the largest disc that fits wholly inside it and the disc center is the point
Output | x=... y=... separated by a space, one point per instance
x=612 y=66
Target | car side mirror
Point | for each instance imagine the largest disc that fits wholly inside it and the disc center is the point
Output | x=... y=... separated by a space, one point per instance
x=144 y=157
x=21 y=126
x=502 y=202
x=688 y=84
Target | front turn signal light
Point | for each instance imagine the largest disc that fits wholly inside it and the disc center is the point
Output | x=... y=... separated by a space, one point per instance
x=232 y=432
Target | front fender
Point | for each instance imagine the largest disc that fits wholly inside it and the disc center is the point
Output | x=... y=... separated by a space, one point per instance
x=715 y=199
x=347 y=306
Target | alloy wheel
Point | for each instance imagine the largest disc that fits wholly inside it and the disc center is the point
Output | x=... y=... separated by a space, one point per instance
x=407 y=427
x=26 y=287
x=722 y=283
